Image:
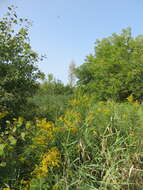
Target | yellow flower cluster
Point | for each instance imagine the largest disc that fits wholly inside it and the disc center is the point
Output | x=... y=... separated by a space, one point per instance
x=49 y=159
x=71 y=120
x=46 y=132
x=130 y=98
x=81 y=100
x=46 y=126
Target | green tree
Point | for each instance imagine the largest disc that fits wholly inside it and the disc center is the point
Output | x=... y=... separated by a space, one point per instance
x=115 y=70
x=71 y=74
x=18 y=70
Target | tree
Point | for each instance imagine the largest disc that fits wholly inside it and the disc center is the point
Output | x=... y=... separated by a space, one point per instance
x=115 y=70
x=72 y=76
x=18 y=70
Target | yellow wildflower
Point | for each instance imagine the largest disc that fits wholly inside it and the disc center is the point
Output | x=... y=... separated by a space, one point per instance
x=52 y=157
x=49 y=159
x=130 y=98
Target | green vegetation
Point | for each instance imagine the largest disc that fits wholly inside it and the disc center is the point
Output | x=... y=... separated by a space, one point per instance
x=51 y=99
x=82 y=136
x=92 y=146
x=115 y=71
x=18 y=72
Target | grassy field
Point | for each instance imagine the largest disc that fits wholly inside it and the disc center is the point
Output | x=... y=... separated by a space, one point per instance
x=93 y=146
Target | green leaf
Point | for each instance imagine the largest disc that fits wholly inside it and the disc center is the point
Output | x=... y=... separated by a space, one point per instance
x=3 y=164
x=2 y=146
x=23 y=135
x=12 y=140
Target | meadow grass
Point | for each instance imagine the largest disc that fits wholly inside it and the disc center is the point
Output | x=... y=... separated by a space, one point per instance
x=93 y=146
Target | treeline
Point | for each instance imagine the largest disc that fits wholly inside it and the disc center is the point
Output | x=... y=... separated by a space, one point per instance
x=113 y=72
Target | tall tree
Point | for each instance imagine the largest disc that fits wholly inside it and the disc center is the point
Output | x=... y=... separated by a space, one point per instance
x=18 y=70
x=115 y=70
x=71 y=75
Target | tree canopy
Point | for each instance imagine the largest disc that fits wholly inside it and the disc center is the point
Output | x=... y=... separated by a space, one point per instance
x=18 y=70
x=115 y=70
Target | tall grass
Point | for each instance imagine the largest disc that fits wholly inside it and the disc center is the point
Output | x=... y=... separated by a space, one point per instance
x=93 y=146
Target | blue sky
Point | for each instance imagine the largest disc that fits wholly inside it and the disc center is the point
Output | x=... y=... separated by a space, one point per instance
x=66 y=30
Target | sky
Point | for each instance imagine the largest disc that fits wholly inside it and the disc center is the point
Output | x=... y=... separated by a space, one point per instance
x=66 y=30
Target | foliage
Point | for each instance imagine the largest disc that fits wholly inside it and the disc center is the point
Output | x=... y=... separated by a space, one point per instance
x=18 y=70
x=92 y=146
x=73 y=142
x=51 y=98
x=115 y=70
